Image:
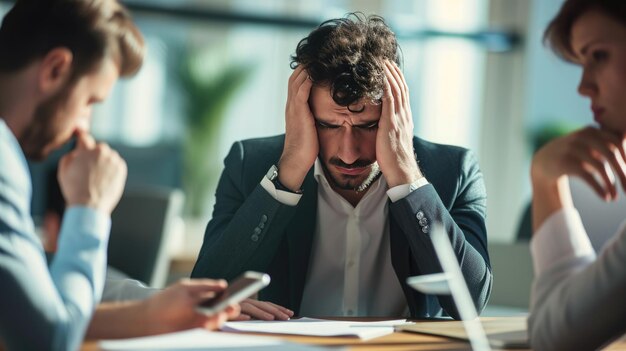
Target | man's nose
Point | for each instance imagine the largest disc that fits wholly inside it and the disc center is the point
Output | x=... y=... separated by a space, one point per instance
x=349 y=148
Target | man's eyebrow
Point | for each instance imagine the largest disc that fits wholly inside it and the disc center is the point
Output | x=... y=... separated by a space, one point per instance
x=367 y=123
x=321 y=120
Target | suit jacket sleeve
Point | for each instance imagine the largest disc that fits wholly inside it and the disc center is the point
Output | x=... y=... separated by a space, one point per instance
x=577 y=301
x=463 y=220
x=247 y=226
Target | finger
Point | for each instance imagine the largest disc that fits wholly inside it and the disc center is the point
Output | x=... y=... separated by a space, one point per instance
x=297 y=79
x=612 y=148
x=295 y=73
x=300 y=79
x=215 y=322
x=270 y=308
x=281 y=308
x=63 y=163
x=203 y=282
x=199 y=287
x=233 y=311
x=395 y=89
x=387 y=100
x=103 y=147
x=400 y=75
x=304 y=90
x=84 y=140
x=403 y=85
x=397 y=79
x=255 y=312
x=241 y=317
x=619 y=140
x=598 y=151
x=593 y=165
x=590 y=179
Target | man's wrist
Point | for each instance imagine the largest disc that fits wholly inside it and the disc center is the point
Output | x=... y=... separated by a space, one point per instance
x=290 y=175
x=403 y=177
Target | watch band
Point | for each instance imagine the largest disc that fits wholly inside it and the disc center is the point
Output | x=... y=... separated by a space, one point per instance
x=272 y=175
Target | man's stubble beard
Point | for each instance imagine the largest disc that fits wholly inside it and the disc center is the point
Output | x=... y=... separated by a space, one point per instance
x=41 y=135
x=373 y=175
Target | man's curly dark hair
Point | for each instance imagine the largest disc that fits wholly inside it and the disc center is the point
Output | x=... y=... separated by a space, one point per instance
x=347 y=54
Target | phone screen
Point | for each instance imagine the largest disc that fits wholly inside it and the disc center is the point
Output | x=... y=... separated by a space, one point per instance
x=238 y=290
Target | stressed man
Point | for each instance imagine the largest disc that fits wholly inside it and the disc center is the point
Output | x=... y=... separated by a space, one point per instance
x=58 y=58
x=338 y=210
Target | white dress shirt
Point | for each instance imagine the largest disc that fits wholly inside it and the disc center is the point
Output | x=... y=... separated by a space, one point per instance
x=577 y=299
x=559 y=241
x=350 y=272
x=119 y=287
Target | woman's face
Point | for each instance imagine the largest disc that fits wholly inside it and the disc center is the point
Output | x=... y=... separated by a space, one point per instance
x=599 y=44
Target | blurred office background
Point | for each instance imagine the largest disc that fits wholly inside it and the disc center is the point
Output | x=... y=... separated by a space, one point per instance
x=216 y=72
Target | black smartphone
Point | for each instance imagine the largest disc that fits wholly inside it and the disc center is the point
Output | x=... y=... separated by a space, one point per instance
x=238 y=290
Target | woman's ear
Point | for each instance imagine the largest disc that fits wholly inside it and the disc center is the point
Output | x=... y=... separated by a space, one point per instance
x=55 y=70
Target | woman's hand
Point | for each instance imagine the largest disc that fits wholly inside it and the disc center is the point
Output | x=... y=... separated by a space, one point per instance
x=597 y=156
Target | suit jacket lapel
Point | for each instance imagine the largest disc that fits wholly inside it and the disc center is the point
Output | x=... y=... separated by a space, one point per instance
x=300 y=233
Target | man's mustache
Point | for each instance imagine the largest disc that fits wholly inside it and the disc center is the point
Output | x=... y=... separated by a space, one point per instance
x=360 y=163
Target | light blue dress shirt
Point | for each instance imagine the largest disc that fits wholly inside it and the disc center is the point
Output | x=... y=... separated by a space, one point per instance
x=41 y=308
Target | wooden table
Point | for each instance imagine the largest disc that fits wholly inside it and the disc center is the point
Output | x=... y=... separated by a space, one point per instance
x=399 y=341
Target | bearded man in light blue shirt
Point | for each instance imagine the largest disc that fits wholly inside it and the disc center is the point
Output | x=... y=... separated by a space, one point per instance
x=58 y=58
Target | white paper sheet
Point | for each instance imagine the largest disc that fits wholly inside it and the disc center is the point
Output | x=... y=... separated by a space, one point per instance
x=194 y=339
x=316 y=327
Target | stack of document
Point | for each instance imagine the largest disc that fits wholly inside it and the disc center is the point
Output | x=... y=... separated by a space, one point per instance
x=317 y=327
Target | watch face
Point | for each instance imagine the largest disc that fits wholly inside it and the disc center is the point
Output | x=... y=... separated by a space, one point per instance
x=272 y=173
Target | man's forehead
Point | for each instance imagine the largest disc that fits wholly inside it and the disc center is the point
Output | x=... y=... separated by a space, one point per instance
x=322 y=104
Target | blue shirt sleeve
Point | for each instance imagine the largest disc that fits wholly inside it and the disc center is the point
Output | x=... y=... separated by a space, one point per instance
x=50 y=310
x=42 y=309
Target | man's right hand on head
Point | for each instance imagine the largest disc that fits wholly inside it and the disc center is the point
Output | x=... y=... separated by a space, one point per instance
x=92 y=175
x=301 y=143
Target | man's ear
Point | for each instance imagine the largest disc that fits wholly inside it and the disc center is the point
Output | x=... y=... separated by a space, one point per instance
x=56 y=68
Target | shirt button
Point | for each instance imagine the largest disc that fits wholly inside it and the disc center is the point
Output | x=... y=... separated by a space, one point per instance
x=419 y=215
x=350 y=312
x=263 y=218
x=254 y=238
x=257 y=231
x=350 y=264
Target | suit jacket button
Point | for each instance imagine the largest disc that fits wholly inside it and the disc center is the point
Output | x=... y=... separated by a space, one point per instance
x=419 y=215
x=425 y=229
x=263 y=218
x=257 y=231
x=423 y=222
x=261 y=225
x=254 y=238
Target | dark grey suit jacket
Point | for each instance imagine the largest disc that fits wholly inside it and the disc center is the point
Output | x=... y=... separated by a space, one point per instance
x=250 y=230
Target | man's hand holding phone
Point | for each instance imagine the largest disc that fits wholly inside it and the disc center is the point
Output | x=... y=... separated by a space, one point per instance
x=175 y=308
x=239 y=289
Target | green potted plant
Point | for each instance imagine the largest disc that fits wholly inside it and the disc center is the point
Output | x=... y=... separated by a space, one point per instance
x=209 y=83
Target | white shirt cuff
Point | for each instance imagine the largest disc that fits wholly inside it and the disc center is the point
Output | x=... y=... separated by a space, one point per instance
x=560 y=238
x=282 y=196
x=399 y=192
